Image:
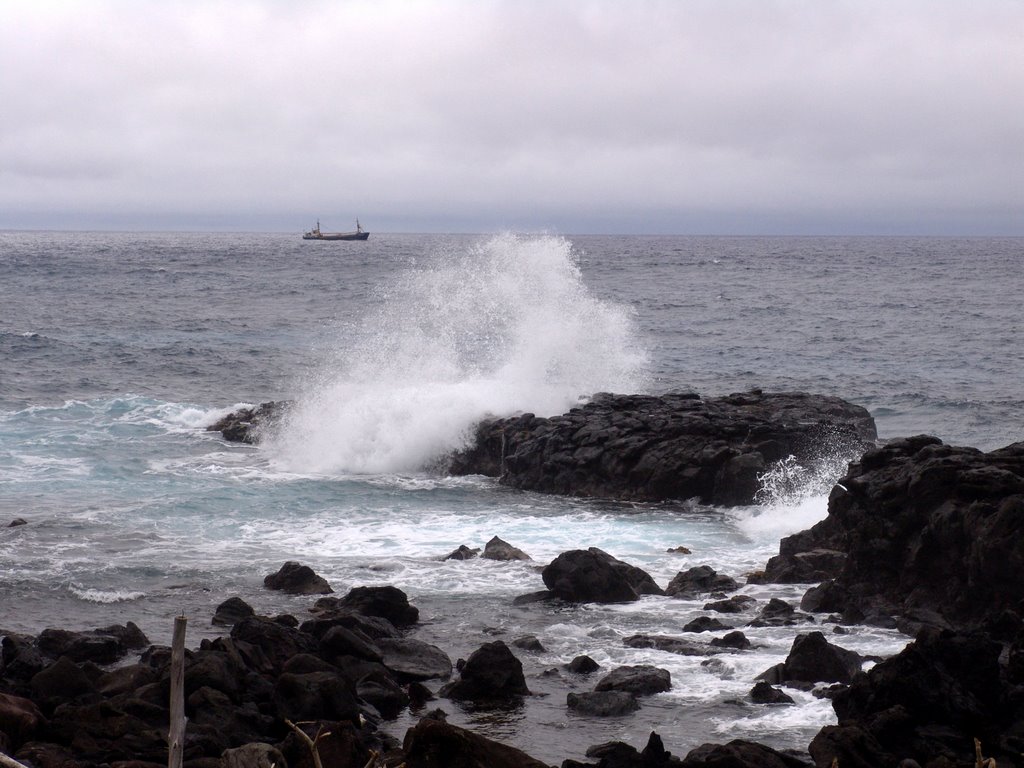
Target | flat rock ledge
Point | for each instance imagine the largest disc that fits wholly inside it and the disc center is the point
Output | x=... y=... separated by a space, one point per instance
x=644 y=447
x=674 y=446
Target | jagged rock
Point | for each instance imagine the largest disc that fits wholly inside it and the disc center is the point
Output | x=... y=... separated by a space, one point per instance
x=297 y=579
x=275 y=642
x=674 y=446
x=341 y=641
x=929 y=531
x=603 y=703
x=434 y=743
x=779 y=613
x=700 y=580
x=497 y=549
x=641 y=680
x=594 y=576
x=735 y=604
x=618 y=754
x=813 y=659
x=462 y=553
x=315 y=696
x=529 y=643
x=491 y=673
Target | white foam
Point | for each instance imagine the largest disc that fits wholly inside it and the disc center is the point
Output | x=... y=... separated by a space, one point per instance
x=507 y=326
x=104 y=595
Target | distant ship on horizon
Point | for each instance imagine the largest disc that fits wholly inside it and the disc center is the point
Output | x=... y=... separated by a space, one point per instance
x=316 y=234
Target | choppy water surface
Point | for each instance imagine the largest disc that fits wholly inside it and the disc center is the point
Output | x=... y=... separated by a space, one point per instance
x=116 y=350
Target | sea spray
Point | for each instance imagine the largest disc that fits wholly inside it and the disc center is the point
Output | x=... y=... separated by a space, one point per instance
x=504 y=326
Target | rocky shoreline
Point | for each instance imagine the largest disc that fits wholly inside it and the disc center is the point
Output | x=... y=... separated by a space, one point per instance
x=919 y=534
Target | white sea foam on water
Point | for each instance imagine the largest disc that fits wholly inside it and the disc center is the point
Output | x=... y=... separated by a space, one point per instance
x=503 y=327
x=104 y=595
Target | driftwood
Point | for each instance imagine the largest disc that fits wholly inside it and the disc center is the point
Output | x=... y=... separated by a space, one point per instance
x=176 y=733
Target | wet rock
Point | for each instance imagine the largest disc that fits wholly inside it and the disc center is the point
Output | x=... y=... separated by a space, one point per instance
x=462 y=553
x=618 y=754
x=341 y=641
x=276 y=643
x=680 y=550
x=735 y=604
x=232 y=611
x=594 y=576
x=248 y=425
x=929 y=530
x=705 y=624
x=813 y=659
x=678 y=645
x=61 y=681
x=497 y=549
x=641 y=680
x=491 y=673
x=297 y=579
x=386 y=602
x=700 y=580
x=806 y=567
x=603 y=703
x=764 y=693
x=675 y=446
x=436 y=744
x=583 y=665
x=779 y=613
x=17 y=522
x=529 y=643
x=381 y=691
x=731 y=640
x=254 y=755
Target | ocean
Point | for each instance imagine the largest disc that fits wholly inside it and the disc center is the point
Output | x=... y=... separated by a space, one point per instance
x=118 y=349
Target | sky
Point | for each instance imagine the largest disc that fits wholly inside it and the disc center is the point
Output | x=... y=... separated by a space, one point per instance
x=561 y=116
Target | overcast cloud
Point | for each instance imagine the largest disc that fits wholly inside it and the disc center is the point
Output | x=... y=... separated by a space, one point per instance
x=716 y=116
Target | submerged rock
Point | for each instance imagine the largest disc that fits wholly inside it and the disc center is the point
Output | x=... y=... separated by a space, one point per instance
x=602 y=703
x=498 y=549
x=491 y=673
x=675 y=446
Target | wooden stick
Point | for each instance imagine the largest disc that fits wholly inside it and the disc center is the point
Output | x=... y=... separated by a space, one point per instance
x=311 y=743
x=176 y=734
x=10 y=762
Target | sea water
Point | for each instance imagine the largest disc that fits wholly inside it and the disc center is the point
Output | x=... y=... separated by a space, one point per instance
x=118 y=349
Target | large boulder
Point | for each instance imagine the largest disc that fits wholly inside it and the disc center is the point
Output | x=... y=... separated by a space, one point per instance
x=248 y=425
x=385 y=602
x=927 y=531
x=594 y=576
x=641 y=680
x=740 y=754
x=297 y=579
x=813 y=659
x=434 y=743
x=674 y=446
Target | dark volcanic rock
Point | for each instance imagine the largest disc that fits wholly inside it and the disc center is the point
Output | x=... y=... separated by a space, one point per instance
x=764 y=693
x=297 y=579
x=679 y=645
x=931 y=700
x=583 y=665
x=641 y=680
x=436 y=744
x=602 y=703
x=463 y=553
x=232 y=611
x=594 y=576
x=740 y=754
x=813 y=659
x=675 y=446
x=386 y=602
x=735 y=640
x=414 y=660
x=491 y=673
x=498 y=549
x=618 y=754
x=246 y=425
x=699 y=580
x=927 y=530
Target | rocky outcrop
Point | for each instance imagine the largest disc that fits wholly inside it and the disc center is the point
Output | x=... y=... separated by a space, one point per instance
x=813 y=659
x=433 y=743
x=928 y=703
x=675 y=446
x=928 y=531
